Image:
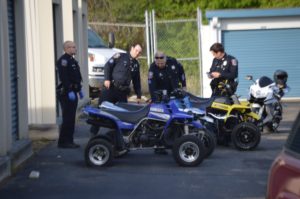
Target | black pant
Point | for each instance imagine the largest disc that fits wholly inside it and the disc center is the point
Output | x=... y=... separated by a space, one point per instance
x=67 y=127
x=113 y=95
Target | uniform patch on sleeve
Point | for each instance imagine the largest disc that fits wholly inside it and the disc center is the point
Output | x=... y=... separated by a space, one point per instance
x=150 y=75
x=116 y=56
x=111 y=61
x=234 y=62
x=64 y=62
x=183 y=77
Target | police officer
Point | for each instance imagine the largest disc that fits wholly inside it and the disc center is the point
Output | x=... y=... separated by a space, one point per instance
x=165 y=73
x=224 y=67
x=118 y=73
x=68 y=91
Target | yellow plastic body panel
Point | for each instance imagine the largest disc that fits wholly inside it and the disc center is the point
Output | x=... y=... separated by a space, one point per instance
x=243 y=108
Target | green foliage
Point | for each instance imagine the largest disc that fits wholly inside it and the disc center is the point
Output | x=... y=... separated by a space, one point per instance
x=178 y=39
x=133 y=10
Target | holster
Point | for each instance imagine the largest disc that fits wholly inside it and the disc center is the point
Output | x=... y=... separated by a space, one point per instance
x=60 y=90
x=121 y=87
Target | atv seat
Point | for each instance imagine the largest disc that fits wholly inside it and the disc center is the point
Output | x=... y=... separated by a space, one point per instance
x=128 y=115
x=130 y=106
x=199 y=102
x=194 y=98
x=202 y=103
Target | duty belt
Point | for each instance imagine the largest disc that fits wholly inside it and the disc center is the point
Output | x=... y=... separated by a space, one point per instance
x=120 y=86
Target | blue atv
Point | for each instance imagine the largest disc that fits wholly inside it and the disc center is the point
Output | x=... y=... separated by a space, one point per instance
x=157 y=125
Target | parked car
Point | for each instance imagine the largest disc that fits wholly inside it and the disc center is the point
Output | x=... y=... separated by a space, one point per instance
x=99 y=53
x=284 y=175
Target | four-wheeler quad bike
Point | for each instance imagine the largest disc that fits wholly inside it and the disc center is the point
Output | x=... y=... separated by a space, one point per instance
x=157 y=125
x=207 y=136
x=232 y=120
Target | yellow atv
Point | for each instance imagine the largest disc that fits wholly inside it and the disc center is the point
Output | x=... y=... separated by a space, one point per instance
x=232 y=120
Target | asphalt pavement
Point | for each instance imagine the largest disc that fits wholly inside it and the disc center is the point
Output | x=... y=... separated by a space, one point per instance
x=227 y=173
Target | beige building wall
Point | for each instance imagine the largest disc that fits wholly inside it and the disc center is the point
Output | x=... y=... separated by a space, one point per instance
x=40 y=63
x=40 y=49
x=47 y=62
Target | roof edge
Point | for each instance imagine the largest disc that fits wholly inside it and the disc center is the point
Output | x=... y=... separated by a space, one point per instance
x=249 y=13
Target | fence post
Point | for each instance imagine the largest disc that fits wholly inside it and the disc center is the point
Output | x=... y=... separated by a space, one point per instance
x=154 y=33
x=147 y=38
x=199 y=24
x=151 y=35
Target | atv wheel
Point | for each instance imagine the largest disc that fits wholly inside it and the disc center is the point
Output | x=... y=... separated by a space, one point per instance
x=188 y=151
x=245 y=136
x=209 y=142
x=98 y=152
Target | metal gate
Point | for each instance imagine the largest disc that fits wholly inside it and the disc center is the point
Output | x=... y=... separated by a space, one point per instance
x=13 y=68
x=180 y=39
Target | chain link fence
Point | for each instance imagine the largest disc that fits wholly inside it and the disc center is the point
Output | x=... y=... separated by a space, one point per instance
x=179 y=39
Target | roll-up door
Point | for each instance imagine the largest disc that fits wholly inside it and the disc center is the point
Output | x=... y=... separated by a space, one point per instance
x=261 y=52
x=13 y=67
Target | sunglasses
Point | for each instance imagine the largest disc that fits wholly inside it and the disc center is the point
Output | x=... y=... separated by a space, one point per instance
x=159 y=57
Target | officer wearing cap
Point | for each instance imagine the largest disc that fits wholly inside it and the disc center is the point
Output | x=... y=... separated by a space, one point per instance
x=224 y=67
x=165 y=73
x=68 y=91
x=118 y=73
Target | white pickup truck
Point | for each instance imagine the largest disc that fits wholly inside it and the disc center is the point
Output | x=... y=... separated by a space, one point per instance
x=98 y=54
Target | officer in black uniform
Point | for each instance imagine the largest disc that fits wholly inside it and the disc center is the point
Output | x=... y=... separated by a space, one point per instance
x=118 y=73
x=224 y=67
x=165 y=73
x=68 y=91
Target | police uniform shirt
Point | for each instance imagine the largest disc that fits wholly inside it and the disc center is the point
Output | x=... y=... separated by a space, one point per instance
x=121 y=69
x=227 y=67
x=170 y=77
x=69 y=73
